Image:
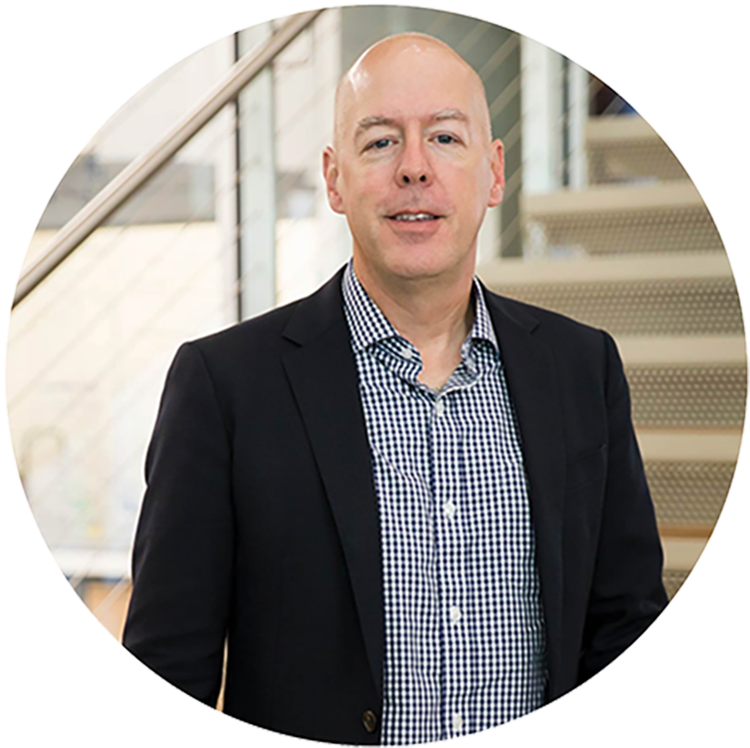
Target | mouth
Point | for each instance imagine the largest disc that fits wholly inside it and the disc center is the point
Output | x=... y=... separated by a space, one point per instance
x=414 y=217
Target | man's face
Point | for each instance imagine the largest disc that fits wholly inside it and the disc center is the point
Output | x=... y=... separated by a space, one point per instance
x=414 y=169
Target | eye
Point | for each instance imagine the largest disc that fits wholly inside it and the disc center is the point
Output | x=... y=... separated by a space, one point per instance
x=379 y=145
x=446 y=139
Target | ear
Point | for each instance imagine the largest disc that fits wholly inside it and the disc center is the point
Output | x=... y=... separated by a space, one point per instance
x=497 y=164
x=331 y=176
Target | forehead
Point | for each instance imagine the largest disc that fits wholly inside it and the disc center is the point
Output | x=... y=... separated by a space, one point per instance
x=410 y=86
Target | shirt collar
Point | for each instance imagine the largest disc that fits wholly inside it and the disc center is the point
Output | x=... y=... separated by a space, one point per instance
x=368 y=325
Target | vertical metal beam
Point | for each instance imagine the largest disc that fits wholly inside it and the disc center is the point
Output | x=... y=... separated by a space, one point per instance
x=237 y=189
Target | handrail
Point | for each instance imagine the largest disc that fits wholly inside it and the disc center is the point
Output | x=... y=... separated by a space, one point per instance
x=137 y=173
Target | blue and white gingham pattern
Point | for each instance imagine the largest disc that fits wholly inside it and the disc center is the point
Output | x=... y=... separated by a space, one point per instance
x=464 y=630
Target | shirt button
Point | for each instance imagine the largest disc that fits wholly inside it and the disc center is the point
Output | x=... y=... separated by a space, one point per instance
x=370 y=721
x=449 y=508
x=458 y=723
x=455 y=614
x=439 y=407
x=407 y=352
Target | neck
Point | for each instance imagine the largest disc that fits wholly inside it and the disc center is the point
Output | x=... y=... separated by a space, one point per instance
x=434 y=314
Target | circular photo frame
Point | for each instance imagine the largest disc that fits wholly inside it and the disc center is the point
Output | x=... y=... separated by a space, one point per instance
x=202 y=205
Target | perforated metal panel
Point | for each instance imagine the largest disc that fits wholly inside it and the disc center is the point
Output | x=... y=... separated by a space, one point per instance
x=707 y=306
x=688 y=493
x=676 y=229
x=673 y=580
x=627 y=159
x=672 y=396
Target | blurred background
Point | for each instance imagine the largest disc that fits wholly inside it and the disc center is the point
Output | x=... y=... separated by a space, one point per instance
x=201 y=203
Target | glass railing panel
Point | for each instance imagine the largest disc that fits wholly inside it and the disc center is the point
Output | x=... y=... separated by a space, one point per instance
x=89 y=349
x=136 y=127
x=311 y=240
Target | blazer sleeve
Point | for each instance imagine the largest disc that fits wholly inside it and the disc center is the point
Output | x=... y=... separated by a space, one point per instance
x=183 y=549
x=627 y=592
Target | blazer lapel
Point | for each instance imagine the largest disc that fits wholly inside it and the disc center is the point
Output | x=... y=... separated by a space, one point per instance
x=323 y=376
x=534 y=390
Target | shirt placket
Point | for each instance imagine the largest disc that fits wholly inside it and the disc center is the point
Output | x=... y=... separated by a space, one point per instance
x=450 y=555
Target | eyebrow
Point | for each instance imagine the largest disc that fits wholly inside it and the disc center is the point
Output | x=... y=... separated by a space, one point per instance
x=379 y=120
x=449 y=114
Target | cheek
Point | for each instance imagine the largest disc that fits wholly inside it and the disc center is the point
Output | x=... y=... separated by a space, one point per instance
x=365 y=191
x=474 y=194
x=466 y=197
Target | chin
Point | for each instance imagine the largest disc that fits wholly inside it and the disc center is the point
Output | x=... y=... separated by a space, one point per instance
x=415 y=263
x=421 y=270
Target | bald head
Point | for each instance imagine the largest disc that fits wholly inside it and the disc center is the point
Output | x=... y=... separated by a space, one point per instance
x=400 y=55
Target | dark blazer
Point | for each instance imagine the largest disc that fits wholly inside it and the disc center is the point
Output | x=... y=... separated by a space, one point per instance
x=260 y=520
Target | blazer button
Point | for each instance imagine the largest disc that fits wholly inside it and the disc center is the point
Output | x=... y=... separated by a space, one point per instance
x=370 y=721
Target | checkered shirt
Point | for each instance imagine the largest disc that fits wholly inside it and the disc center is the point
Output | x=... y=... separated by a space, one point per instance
x=464 y=630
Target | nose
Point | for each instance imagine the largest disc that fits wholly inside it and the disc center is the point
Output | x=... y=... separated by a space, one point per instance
x=414 y=166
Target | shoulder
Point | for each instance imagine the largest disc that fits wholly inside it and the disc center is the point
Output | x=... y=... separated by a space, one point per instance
x=261 y=332
x=254 y=349
x=220 y=367
x=555 y=328
x=288 y=325
x=583 y=356
x=585 y=359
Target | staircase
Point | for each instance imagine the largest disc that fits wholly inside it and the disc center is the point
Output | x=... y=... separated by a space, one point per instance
x=636 y=253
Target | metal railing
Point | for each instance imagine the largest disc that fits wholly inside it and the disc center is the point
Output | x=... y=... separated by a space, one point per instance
x=142 y=169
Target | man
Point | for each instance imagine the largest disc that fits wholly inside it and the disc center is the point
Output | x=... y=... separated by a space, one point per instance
x=412 y=508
